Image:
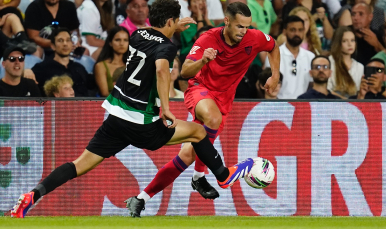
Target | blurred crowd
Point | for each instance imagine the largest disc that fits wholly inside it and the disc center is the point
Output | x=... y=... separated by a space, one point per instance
x=330 y=49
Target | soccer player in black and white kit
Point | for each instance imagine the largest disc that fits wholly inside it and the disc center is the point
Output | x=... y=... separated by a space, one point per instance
x=134 y=107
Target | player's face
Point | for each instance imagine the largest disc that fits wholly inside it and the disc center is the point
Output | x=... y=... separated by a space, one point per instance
x=65 y=91
x=14 y=69
x=63 y=44
x=51 y=2
x=348 y=43
x=237 y=27
x=120 y=42
x=319 y=73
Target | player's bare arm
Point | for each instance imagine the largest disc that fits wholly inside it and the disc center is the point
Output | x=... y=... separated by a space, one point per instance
x=163 y=83
x=274 y=61
x=190 y=68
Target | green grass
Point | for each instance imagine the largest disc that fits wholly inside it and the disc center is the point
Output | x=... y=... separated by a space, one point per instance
x=179 y=222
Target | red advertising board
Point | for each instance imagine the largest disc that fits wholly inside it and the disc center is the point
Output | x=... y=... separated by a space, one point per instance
x=328 y=158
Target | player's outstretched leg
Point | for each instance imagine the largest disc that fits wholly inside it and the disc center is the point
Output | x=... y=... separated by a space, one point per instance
x=135 y=206
x=236 y=172
x=86 y=162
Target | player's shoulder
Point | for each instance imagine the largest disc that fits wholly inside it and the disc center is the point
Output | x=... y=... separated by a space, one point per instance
x=210 y=34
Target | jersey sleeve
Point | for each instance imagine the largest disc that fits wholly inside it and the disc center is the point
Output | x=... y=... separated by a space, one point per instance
x=264 y=41
x=198 y=48
x=167 y=52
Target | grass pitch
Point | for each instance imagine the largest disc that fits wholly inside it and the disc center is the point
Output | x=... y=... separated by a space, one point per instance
x=179 y=222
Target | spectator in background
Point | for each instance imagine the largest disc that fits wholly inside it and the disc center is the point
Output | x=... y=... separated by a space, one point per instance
x=382 y=54
x=263 y=15
x=200 y=15
x=346 y=72
x=311 y=41
x=369 y=41
x=175 y=73
x=59 y=87
x=113 y=55
x=137 y=15
x=14 y=84
x=42 y=16
x=262 y=93
x=320 y=73
x=95 y=17
x=320 y=14
x=343 y=18
x=12 y=34
x=61 y=64
x=10 y=6
x=214 y=9
x=371 y=87
x=295 y=61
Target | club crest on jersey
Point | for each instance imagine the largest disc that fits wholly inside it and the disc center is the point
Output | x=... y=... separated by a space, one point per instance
x=248 y=49
x=193 y=50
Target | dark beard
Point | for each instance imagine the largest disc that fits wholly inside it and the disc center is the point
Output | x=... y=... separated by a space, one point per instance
x=318 y=81
x=295 y=41
x=51 y=4
x=63 y=55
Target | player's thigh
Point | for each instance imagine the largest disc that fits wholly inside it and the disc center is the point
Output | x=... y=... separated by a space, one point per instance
x=208 y=112
x=86 y=162
x=187 y=132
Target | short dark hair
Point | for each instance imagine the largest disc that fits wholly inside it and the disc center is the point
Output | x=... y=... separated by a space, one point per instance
x=57 y=31
x=265 y=74
x=320 y=56
x=376 y=60
x=238 y=8
x=162 y=10
x=291 y=19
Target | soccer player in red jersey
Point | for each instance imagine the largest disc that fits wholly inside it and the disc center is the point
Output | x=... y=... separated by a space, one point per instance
x=217 y=61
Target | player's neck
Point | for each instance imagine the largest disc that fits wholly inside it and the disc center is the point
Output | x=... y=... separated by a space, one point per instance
x=226 y=37
x=165 y=31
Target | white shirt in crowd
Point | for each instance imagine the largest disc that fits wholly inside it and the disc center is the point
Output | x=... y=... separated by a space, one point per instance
x=356 y=72
x=214 y=9
x=294 y=85
x=89 y=19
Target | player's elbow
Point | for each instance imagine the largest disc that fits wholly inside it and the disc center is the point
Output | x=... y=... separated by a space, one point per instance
x=185 y=73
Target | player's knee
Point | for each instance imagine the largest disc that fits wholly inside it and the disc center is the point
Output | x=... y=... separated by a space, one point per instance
x=214 y=121
x=187 y=156
x=200 y=133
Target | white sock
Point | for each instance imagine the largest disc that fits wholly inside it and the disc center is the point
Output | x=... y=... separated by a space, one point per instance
x=197 y=175
x=143 y=195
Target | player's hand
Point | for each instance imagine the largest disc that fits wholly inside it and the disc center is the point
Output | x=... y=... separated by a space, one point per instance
x=169 y=119
x=209 y=54
x=271 y=84
x=183 y=24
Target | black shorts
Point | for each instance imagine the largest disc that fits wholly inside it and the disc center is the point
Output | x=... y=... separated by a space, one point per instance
x=115 y=134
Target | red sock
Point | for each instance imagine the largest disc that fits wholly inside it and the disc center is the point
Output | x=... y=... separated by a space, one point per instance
x=165 y=176
x=199 y=166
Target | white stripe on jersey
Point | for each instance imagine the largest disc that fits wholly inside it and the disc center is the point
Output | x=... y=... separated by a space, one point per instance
x=127 y=115
x=120 y=91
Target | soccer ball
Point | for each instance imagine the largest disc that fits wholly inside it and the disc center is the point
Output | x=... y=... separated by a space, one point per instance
x=261 y=174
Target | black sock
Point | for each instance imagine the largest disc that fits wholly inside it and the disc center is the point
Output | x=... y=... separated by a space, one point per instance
x=20 y=36
x=209 y=155
x=59 y=176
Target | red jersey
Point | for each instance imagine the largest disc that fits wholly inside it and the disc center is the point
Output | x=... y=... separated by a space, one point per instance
x=224 y=73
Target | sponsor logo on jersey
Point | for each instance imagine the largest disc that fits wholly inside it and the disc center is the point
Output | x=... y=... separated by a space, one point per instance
x=149 y=37
x=193 y=50
x=248 y=49
x=267 y=37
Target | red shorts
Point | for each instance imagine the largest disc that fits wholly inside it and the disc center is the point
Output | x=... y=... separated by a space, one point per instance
x=197 y=92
